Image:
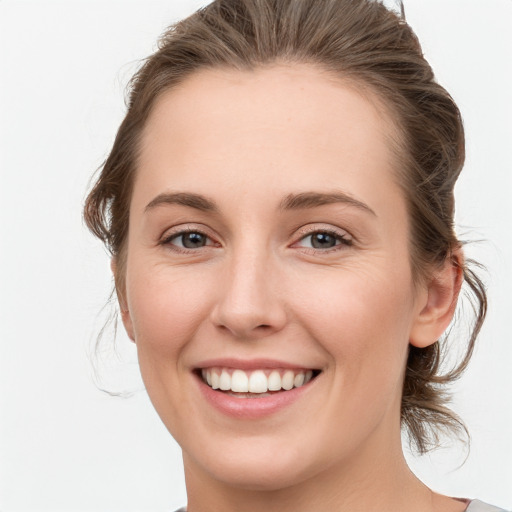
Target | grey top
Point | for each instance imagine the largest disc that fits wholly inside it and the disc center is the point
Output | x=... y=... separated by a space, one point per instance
x=480 y=506
x=474 y=506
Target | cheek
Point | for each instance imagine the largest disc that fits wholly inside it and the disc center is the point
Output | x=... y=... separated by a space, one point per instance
x=166 y=308
x=359 y=306
x=363 y=322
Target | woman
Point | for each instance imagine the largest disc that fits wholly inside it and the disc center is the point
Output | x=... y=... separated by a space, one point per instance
x=279 y=208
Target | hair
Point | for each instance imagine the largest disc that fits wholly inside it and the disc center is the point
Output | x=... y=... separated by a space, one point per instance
x=356 y=40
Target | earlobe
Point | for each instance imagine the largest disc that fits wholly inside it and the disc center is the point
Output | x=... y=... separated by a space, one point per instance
x=127 y=322
x=438 y=308
x=121 y=299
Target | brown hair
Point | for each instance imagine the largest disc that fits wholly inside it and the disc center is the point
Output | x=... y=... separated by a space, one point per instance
x=359 y=40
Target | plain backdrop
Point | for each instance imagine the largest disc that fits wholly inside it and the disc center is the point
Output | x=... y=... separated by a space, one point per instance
x=65 y=445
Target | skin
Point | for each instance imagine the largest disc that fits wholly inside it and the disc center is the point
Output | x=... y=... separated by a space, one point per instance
x=259 y=289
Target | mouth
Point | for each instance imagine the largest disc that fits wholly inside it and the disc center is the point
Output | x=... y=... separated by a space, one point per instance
x=255 y=383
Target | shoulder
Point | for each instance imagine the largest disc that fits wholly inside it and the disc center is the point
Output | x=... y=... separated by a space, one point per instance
x=480 y=506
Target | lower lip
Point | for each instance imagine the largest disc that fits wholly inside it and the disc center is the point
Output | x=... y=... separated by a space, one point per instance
x=252 y=408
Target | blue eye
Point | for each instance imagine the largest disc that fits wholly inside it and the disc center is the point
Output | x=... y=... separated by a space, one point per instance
x=188 y=240
x=324 y=240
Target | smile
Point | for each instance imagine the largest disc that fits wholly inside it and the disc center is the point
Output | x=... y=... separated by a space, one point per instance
x=251 y=390
x=259 y=382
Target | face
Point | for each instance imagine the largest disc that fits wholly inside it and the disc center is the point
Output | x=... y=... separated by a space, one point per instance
x=268 y=250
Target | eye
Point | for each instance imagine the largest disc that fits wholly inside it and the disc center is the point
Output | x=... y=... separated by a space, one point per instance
x=188 y=240
x=324 y=240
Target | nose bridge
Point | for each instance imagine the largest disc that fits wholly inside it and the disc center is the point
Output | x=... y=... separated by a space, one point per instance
x=249 y=302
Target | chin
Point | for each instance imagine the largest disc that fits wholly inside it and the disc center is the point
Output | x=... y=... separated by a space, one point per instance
x=255 y=476
x=258 y=469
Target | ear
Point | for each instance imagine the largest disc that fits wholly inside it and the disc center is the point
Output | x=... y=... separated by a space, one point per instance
x=121 y=298
x=439 y=302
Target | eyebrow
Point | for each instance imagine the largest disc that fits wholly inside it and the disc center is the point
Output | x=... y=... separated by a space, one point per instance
x=307 y=200
x=189 y=199
x=301 y=201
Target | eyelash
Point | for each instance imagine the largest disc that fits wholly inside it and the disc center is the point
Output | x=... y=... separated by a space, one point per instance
x=344 y=240
x=183 y=250
x=338 y=236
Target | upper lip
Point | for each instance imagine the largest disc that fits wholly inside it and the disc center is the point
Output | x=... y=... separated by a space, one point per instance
x=252 y=364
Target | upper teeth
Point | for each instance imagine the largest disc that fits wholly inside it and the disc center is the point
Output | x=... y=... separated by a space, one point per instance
x=255 y=381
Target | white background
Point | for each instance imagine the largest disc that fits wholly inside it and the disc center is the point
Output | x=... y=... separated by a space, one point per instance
x=64 y=445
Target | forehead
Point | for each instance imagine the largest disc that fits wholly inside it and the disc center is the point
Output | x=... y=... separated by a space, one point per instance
x=281 y=125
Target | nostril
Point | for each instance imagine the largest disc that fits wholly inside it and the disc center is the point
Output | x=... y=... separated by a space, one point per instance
x=247 y=330
x=246 y=310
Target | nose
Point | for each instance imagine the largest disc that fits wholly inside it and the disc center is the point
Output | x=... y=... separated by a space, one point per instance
x=249 y=304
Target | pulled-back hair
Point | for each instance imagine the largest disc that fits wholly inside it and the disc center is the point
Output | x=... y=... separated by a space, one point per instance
x=357 y=40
